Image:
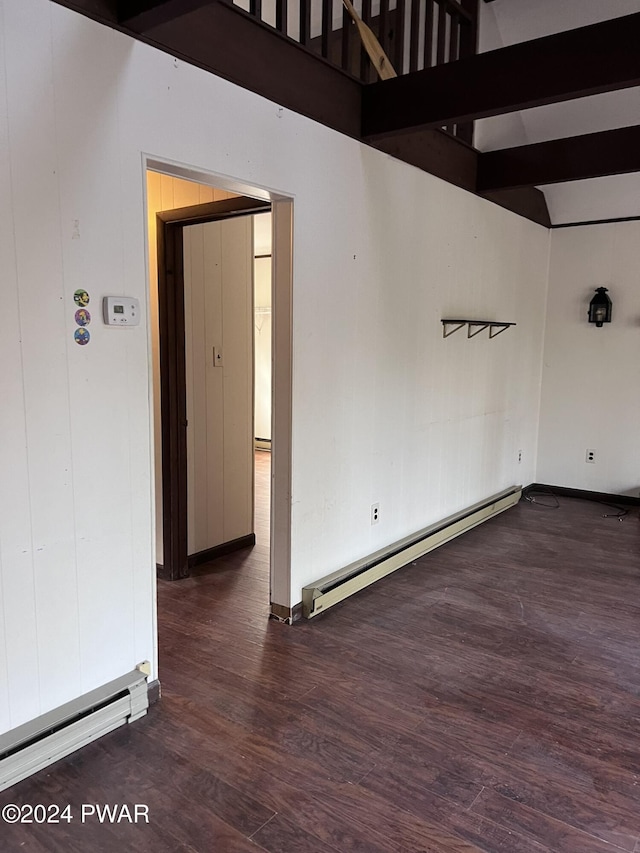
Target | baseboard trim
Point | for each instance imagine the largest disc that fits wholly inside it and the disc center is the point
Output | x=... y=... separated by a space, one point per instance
x=286 y=614
x=222 y=550
x=63 y=730
x=318 y=597
x=154 y=691
x=583 y=494
x=262 y=444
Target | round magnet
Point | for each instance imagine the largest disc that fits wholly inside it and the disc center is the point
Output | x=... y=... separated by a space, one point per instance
x=83 y=317
x=81 y=297
x=82 y=336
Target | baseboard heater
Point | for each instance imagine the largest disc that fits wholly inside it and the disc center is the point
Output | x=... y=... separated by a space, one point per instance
x=48 y=738
x=319 y=596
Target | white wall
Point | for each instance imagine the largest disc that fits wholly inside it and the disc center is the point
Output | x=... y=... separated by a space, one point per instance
x=384 y=409
x=591 y=376
x=75 y=521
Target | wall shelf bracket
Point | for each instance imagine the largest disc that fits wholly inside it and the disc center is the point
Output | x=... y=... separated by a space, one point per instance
x=458 y=324
x=474 y=327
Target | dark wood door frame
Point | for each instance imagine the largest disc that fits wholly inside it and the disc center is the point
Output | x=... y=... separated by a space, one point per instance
x=173 y=392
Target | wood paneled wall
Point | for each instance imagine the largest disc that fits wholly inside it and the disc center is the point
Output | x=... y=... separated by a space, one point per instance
x=383 y=409
x=218 y=276
x=262 y=339
x=166 y=193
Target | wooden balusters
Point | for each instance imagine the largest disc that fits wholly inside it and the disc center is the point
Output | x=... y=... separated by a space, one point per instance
x=365 y=64
x=434 y=32
x=414 y=34
x=327 y=27
x=398 y=35
x=305 y=21
x=281 y=16
x=347 y=35
x=383 y=26
x=428 y=34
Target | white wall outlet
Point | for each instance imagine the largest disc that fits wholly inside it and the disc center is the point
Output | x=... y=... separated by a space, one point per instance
x=519 y=457
x=590 y=456
x=375 y=513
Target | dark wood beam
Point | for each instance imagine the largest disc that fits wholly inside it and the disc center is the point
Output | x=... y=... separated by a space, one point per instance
x=224 y=39
x=525 y=201
x=282 y=71
x=103 y=11
x=593 y=155
x=141 y=15
x=436 y=152
x=599 y=58
x=454 y=161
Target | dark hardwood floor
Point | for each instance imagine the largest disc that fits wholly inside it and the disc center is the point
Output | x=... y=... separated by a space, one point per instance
x=485 y=698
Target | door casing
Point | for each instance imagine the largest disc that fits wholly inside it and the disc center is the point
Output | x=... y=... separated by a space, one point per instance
x=171 y=316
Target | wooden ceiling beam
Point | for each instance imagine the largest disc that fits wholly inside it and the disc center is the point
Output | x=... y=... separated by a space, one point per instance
x=222 y=38
x=103 y=11
x=143 y=15
x=599 y=58
x=454 y=161
x=284 y=72
x=593 y=155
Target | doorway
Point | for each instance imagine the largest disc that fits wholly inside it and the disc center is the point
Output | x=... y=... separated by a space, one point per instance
x=183 y=544
x=175 y=523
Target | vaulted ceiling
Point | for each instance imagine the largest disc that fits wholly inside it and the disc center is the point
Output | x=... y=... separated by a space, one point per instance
x=554 y=91
x=605 y=166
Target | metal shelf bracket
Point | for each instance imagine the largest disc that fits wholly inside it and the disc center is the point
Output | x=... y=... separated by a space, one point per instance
x=479 y=327
x=450 y=326
x=501 y=327
x=458 y=325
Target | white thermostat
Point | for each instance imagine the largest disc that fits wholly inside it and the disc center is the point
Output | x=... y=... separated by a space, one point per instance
x=121 y=310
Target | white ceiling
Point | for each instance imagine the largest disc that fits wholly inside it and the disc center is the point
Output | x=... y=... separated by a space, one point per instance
x=505 y=22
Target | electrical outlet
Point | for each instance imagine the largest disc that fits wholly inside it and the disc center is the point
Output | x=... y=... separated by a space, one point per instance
x=590 y=456
x=519 y=457
x=375 y=513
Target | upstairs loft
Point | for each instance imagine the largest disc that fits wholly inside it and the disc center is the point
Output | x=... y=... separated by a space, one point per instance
x=307 y=56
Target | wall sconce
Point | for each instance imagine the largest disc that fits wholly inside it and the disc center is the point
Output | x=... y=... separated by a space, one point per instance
x=600 y=308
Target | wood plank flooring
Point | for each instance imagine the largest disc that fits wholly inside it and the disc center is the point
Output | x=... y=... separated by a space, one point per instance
x=485 y=698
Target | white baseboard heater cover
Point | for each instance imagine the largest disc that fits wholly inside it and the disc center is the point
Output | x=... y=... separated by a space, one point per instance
x=48 y=738
x=320 y=596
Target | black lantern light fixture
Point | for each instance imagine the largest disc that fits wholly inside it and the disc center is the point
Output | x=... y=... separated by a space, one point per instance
x=600 y=308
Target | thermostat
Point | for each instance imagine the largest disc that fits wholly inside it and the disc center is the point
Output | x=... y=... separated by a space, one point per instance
x=121 y=310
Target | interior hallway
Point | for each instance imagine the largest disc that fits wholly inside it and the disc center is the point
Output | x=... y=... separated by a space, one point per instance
x=483 y=699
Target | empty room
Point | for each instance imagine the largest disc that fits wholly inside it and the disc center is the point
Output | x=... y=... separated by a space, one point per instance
x=320 y=346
